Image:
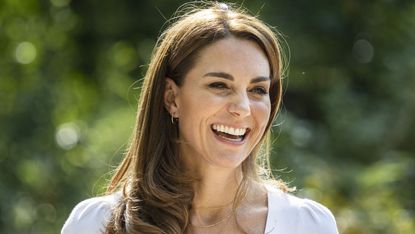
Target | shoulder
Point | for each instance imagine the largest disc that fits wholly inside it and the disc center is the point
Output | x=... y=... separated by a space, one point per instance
x=91 y=215
x=299 y=215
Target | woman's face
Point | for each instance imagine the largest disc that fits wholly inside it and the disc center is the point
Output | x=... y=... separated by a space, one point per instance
x=224 y=105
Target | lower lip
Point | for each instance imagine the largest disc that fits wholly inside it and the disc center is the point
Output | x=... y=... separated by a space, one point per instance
x=234 y=143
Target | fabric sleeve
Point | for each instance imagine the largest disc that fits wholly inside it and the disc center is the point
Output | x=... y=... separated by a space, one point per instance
x=90 y=216
x=315 y=218
x=288 y=214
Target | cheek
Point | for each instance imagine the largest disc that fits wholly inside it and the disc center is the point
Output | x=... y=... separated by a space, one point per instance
x=262 y=112
x=200 y=104
x=197 y=107
x=195 y=112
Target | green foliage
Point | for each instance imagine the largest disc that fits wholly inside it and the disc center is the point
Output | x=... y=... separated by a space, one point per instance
x=69 y=72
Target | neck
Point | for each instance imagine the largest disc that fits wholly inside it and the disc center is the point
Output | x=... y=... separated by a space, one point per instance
x=215 y=193
x=217 y=187
x=213 y=185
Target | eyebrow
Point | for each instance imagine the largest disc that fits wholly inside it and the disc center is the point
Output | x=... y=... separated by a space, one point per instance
x=228 y=76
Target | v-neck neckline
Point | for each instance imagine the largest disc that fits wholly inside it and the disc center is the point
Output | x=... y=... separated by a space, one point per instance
x=270 y=223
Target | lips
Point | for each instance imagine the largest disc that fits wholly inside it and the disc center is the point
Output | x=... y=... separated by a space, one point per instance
x=229 y=133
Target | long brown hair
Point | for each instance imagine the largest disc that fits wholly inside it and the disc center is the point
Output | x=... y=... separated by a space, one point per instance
x=157 y=190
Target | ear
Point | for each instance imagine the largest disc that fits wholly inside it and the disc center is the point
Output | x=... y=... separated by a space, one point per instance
x=171 y=93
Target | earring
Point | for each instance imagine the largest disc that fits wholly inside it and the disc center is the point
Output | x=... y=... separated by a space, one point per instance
x=173 y=120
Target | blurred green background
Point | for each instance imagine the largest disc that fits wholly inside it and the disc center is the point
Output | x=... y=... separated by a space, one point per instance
x=69 y=74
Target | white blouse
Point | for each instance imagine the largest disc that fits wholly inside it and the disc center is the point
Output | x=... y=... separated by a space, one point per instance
x=287 y=214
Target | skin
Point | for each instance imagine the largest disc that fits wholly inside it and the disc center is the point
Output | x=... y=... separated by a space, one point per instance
x=228 y=85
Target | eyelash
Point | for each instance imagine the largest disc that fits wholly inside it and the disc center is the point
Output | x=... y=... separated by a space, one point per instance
x=218 y=85
x=221 y=86
x=260 y=90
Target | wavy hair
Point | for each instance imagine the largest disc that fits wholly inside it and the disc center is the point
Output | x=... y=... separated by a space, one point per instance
x=157 y=189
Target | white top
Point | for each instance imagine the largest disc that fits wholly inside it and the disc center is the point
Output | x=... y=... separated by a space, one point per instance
x=287 y=214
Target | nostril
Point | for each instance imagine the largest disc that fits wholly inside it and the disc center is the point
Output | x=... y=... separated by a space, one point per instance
x=240 y=107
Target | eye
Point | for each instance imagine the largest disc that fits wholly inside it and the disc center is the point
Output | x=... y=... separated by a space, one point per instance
x=260 y=91
x=218 y=85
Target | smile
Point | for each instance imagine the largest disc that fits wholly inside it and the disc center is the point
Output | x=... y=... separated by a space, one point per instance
x=230 y=133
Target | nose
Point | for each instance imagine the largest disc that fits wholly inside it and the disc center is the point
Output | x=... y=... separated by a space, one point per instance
x=240 y=106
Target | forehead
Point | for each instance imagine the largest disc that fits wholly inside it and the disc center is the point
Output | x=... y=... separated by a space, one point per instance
x=239 y=57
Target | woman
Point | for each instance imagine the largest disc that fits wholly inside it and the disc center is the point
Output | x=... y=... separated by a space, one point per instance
x=211 y=92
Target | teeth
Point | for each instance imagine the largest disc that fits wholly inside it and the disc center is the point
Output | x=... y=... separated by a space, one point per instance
x=229 y=130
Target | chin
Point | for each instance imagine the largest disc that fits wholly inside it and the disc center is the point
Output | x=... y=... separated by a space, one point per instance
x=228 y=161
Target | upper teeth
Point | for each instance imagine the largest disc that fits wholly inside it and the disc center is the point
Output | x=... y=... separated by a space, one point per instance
x=229 y=130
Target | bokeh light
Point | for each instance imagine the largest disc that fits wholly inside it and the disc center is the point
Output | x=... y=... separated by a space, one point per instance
x=68 y=135
x=363 y=51
x=25 y=52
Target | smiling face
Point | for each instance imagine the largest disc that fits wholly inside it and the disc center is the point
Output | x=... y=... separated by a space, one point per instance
x=223 y=105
